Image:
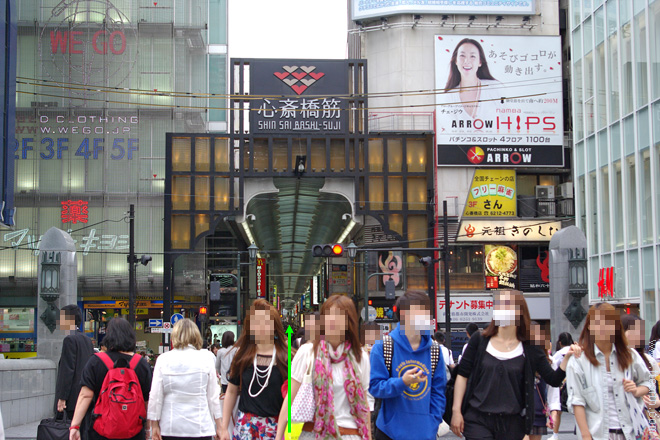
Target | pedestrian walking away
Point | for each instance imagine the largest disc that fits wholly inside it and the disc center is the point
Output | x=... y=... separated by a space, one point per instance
x=184 y=402
x=412 y=386
x=120 y=343
x=494 y=389
x=77 y=349
x=557 y=395
x=258 y=372
x=339 y=368
x=225 y=357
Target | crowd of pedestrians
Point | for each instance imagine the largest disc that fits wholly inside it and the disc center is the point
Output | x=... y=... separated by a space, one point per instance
x=350 y=382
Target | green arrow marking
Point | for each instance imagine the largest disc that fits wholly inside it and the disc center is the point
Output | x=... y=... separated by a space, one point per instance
x=289 y=332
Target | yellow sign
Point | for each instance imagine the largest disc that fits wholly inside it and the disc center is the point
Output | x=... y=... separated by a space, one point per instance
x=492 y=194
x=137 y=311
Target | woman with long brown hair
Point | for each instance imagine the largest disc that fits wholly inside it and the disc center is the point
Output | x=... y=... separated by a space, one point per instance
x=258 y=371
x=599 y=381
x=340 y=376
x=494 y=389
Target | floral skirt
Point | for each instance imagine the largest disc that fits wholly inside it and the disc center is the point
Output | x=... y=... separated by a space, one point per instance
x=252 y=427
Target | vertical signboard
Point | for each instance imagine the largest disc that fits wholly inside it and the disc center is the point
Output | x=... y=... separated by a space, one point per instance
x=315 y=290
x=501 y=267
x=492 y=194
x=261 y=277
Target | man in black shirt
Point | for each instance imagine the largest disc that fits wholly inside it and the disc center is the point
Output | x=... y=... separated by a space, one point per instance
x=76 y=351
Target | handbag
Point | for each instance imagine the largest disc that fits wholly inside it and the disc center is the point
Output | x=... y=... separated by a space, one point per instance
x=54 y=429
x=642 y=429
x=303 y=406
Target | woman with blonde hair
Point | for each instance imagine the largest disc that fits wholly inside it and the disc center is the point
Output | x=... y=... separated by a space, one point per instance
x=185 y=393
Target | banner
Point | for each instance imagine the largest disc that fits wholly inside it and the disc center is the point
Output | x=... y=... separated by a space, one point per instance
x=492 y=194
x=498 y=90
x=501 y=155
x=501 y=267
x=496 y=230
x=378 y=8
x=467 y=309
x=261 y=277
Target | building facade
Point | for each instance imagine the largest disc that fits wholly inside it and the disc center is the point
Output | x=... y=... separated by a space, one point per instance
x=616 y=90
x=99 y=84
x=499 y=172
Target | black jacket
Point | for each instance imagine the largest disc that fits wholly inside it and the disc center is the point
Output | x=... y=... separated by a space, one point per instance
x=76 y=351
x=535 y=362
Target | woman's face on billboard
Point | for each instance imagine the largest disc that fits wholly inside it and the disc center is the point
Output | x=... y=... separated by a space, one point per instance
x=468 y=60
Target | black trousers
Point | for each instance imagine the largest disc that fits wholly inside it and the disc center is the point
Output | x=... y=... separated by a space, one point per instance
x=166 y=437
x=486 y=426
x=380 y=435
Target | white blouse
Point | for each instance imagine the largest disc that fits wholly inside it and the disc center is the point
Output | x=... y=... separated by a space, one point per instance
x=342 y=409
x=185 y=395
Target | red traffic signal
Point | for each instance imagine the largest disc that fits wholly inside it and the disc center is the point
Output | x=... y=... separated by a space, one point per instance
x=203 y=310
x=328 y=250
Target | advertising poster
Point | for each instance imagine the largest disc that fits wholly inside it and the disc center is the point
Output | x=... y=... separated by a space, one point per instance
x=501 y=267
x=492 y=194
x=497 y=230
x=379 y=8
x=261 y=277
x=499 y=92
x=468 y=309
x=339 y=282
x=391 y=262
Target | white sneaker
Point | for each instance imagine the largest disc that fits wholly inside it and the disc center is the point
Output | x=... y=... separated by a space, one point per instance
x=554 y=437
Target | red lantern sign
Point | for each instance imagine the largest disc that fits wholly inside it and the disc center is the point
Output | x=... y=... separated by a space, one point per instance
x=74 y=211
x=606 y=282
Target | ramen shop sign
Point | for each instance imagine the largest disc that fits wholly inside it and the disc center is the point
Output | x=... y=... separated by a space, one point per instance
x=501 y=266
x=507 y=230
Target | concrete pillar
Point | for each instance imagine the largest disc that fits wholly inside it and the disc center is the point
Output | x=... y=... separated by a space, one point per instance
x=561 y=244
x=49 y=344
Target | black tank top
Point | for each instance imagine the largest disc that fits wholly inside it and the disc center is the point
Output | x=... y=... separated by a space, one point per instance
x=499 y=389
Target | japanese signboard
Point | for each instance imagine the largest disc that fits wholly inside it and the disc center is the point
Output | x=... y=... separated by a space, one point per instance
x=299 y=96
x=74 y=211
x=507 y=230
x=501 y=266
x=384 y=310
x=492 y=194
x=501 y=155
x=466 y=309
x=501 y=91
x=339 y=281
x=261 y=277
x=378 y=8
x=534 y=268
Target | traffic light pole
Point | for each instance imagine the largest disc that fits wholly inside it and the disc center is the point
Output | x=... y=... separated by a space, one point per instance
x=445 y=259
x=131 y=265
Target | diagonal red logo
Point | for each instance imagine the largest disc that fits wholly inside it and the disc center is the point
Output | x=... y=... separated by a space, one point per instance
x=299 y=78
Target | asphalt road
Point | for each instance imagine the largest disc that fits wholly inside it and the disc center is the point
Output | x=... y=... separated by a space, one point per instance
x=565 y=429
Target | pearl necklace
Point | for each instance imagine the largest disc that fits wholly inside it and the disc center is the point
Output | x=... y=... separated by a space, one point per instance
x=261 y=374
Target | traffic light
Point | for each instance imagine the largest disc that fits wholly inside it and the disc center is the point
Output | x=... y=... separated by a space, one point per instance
x=203 y=310
x=390 y=289
x=328 y=250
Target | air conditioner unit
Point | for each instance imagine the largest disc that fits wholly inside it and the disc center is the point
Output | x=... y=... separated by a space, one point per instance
x=565 y=208
x=565 y=190
x=545 y=209
x=545 y=192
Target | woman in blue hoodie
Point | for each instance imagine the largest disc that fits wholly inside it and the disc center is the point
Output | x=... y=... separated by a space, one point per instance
x=412 y=389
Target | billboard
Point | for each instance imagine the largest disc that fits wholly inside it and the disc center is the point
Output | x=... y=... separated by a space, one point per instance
x=362 y=9
x=501 y=266
x=498 y=91
x=492 y=194
x=306 y=96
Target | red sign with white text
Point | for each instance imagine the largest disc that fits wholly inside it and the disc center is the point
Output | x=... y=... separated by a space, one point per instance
x=261 y=277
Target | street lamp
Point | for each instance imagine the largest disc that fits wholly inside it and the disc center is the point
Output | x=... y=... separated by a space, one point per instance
x=352 y=250
x=252 y=251
x=50 y=288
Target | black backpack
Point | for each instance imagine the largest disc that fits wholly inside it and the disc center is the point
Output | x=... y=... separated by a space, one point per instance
x=388 y=354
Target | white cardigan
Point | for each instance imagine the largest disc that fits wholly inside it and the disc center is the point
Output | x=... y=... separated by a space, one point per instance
x=185 y=395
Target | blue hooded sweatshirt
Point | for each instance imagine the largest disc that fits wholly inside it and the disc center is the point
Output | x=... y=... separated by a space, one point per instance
x=404 y=410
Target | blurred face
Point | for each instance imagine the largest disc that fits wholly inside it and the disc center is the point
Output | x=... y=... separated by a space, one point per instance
x=262 y=327
x=602 y=327
x=311 y=327
x=371 y=336
x=334 y=324
x=505 y=310
x=417 y=319
x=468 y=60
x=66 y=323
x=635 y=334
x=538 y=338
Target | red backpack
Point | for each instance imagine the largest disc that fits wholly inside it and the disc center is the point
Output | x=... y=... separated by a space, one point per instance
x=120 y=410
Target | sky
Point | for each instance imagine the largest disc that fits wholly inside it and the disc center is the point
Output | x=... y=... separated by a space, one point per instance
x=287 y=28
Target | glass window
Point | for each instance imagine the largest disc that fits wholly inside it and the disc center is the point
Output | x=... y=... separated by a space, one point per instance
x=181 y=152
x=619 y=275
x=202 y=193
x=180 y=232
x=260 y=154
x=416 y=193
x=218 y=24
x=631 y=205
x=279 y=154
x=578 y=118
x=600 y=67
x=337 y=155
x=648 y=264
x=654 y=38
x=416 y=155
x=656 y=143
x=594 y=267
x=591 y=153
x=627 y=94
x=376 y=155
x=577 y=12
x=319 y=159
x=615 y=141
x=593 y=213
x=583 y=203
x=417 y=231
x=466 y=270
x=649 y=310
x=376 y=193
x=218 y=86
x=613 y=61
x=181 y=192
x=629 y=135
x=395 y=193
x=641 y=60
x=221 y=155
x=221 y=196
x=618 y=209
x=202 y=154
x=603 y=149
x=394 y=155
x=633 y=274
x=605 y=209
x=526 y=184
